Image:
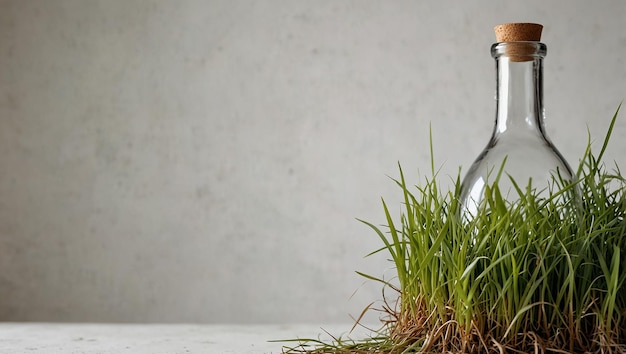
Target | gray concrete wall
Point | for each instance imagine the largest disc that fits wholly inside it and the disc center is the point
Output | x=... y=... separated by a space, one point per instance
x=204 y=161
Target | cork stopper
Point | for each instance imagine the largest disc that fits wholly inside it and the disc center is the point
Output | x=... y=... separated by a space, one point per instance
x=519 y=32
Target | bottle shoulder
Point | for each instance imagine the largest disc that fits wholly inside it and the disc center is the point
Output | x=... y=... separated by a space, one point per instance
x=521 y=159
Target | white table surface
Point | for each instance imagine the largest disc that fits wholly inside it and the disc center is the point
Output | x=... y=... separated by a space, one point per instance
x=154 y=338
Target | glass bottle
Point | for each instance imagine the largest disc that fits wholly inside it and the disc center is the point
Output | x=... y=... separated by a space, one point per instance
x=519 y=143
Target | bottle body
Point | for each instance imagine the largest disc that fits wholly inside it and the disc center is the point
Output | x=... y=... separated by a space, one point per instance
x=519 y=147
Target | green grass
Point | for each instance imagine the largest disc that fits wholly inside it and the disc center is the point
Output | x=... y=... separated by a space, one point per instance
x=541 y=274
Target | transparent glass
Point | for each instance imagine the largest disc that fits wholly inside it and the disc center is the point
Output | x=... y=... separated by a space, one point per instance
x=519 y=143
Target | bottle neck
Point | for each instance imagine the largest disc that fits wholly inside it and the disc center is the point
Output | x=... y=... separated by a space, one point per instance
x=519 y=94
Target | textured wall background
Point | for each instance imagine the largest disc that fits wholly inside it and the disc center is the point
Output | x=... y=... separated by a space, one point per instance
x=204 y=161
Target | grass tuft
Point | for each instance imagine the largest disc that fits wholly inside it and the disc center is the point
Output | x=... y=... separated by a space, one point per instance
x=541 y=274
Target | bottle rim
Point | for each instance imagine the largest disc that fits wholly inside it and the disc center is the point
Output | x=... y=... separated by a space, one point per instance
x=519 y=51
